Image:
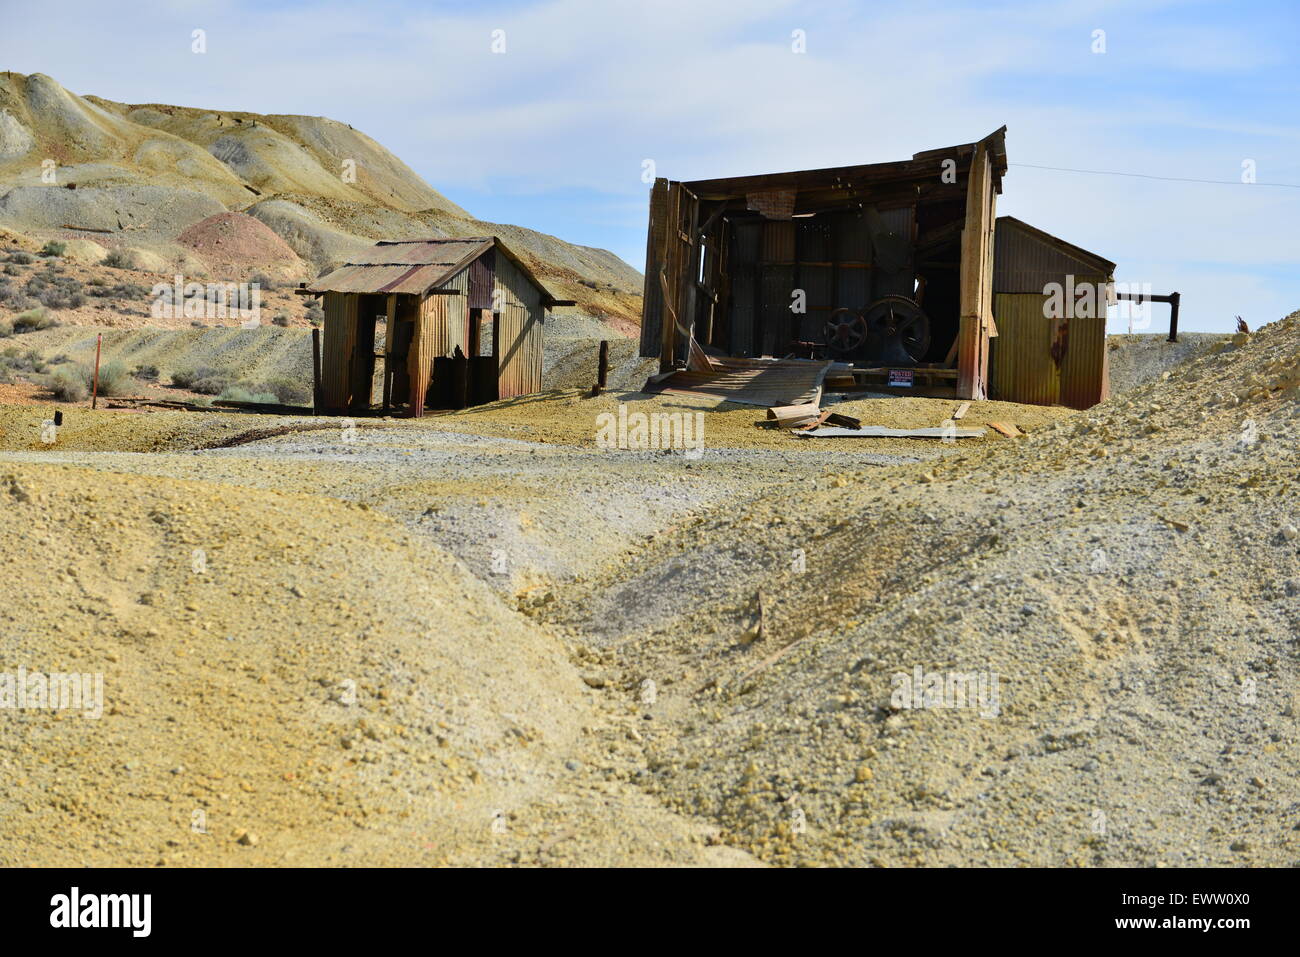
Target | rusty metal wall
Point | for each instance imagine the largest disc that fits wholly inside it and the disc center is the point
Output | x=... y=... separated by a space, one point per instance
x=1085 y=372
x=444 y=324
x=519 y=369
x=482 y=273
x=338 y=343
x=1025 y=263
x=1021 y=365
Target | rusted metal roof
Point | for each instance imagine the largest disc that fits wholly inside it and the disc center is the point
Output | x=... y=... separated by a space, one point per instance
x=424 y=252
x=765 y=382
x=414 y=266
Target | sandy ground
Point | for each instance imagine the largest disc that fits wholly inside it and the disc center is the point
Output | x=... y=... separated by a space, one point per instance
x=482 y=638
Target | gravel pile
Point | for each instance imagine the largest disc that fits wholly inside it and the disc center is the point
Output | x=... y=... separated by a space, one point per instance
x=568 y=654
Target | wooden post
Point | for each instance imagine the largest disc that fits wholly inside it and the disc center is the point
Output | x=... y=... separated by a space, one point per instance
x=94 y=386
x=602 y=369
x=1174 y=299
x=315 y=372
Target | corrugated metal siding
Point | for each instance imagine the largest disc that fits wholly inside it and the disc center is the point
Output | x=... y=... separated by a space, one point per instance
x=852 y=239
x=743 y=309
x=891 y=254
x=816 y=282
x=340 y=340
x=482 y=278
x=1025 y=263
x=851 y=288
x=444 y=324
x=746 y=247
x=519 y=369
x=448 y=252
x=777 y=293
x=1021 y=366
x=814 y=241
x=1085 y=372
x=778 y=241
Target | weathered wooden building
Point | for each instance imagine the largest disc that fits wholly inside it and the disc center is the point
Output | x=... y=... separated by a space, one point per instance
x=887 y=267
x=463 y=321
x=1050 y=298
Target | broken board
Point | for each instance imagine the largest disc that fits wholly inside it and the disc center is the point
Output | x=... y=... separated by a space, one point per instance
x=881 y=432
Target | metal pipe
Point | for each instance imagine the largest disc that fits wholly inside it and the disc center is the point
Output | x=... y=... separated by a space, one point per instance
x=1174 y=298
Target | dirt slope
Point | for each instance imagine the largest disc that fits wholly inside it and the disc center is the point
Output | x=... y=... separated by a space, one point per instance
x=1132 y=575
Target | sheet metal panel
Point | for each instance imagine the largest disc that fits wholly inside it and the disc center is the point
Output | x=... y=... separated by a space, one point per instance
x=777 y=319
x=338 y=343
x=519 y=368
x=813 y=240
x=852 y=288
x=409 y=268
x=778 y=242
x=816 y=284
x=379 y=279
x=743 y=311
x=1026 y=260
x=1085 y=371
x=1021 y=368
x=851 y=238
x=427 y=252
x=482 y=279
x=789 y=382
x=747 y=243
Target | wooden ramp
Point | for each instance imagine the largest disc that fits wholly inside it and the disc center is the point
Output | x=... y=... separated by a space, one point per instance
x=765 y=382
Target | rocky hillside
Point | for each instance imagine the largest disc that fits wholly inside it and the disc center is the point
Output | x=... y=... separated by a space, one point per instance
x=140 y=176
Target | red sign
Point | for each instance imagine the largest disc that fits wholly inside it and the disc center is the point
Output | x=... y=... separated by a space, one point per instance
x=901 y=378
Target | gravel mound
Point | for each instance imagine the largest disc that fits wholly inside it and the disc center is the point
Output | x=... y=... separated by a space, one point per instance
x=1136 y=359
x=234 y=240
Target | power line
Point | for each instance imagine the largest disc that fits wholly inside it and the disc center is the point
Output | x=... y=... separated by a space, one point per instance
x=1172 y=179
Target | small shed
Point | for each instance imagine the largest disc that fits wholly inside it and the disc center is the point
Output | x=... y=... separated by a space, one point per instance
x=885 y=268
x=1050 y=298
x=462 y=323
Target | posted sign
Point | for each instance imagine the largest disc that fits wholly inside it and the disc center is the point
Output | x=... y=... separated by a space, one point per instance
x=901 y=378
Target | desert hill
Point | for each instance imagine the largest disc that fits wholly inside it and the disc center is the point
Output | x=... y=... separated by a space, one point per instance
x=138 y=176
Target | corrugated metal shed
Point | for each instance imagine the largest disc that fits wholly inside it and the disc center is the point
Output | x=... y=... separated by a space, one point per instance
x=1037 y=357
x=428 y=288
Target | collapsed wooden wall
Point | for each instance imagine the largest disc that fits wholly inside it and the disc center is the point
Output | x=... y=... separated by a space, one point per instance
x=976 y=322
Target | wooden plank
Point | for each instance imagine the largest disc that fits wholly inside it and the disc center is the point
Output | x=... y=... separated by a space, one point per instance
x=960 y=411
x=1005 y=428
x=882 y=432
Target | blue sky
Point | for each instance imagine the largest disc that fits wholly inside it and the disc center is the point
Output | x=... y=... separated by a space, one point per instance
x=553 y=133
